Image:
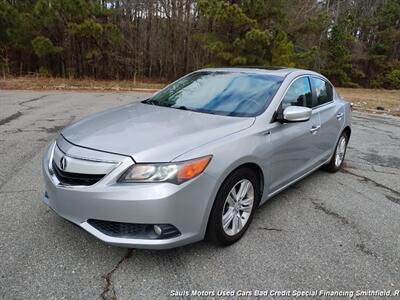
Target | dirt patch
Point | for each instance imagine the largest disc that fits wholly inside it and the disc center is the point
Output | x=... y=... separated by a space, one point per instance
x=39 y=83
x=371 y=100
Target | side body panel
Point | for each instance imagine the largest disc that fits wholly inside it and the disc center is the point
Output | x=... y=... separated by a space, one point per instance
x=263 y=144
x=294 y=151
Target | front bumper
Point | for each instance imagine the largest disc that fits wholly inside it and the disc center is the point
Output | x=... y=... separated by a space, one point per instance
x=184 y=206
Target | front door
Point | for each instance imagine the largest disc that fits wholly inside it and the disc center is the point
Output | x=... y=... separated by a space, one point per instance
x=294 y=145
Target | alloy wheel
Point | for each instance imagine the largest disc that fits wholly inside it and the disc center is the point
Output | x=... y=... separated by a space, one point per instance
x=340 y=151
x=238 y=206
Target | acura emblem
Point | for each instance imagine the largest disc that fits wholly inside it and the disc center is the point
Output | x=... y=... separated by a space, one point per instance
x=63 y=163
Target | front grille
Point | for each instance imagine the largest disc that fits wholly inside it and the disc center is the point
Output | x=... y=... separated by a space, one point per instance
x=132 y=230
x=68 y=178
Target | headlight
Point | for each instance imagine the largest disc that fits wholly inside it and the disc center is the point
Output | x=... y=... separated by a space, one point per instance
x=166 y=172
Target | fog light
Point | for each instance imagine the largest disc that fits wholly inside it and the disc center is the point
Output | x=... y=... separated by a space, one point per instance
x=157 y=230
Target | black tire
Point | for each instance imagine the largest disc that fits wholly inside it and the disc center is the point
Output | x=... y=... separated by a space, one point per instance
x=332 y=166
x=215 y=231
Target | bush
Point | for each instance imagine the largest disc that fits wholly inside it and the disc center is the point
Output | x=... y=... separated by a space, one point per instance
x=389 y=80
x=392 y=79
x=43 y=72
x=350 y=84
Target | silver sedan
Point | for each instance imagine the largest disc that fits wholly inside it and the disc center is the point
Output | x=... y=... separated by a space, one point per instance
x=197 y=158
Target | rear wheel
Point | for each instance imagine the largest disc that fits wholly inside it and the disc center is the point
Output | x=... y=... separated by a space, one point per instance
x=338 y=157
x=234 y=207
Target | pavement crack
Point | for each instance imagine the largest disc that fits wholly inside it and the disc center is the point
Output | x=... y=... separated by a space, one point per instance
x=19 y=191
x=269 y=228
x=10 y=118
x=53 y=129
x=32 y=100
x=323 y=208
x=19 y=114
x=383 y=172
x=364 y=249
x=366 y=179
x=380 y=121
x=387 y=161
x=361 y=245
x=393 y=199
x=109 y=291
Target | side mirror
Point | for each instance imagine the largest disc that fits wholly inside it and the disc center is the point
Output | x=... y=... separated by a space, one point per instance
x=296 y=114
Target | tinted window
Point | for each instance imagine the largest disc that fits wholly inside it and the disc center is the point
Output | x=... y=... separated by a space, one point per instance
x=323 y=91
x=298 y=94
x=224 y=93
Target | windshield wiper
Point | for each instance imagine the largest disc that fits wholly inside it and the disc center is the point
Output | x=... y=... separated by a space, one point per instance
x=148 y=101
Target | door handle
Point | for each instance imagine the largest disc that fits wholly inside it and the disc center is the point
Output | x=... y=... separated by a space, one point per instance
x=339 y=116
x=315 y=129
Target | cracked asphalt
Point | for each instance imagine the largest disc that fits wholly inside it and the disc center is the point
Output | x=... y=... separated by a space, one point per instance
x=329 y=231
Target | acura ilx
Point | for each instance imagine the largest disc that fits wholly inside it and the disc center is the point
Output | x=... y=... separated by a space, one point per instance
x=197 y=158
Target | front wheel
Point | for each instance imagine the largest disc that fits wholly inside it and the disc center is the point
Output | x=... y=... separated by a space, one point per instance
x=234 y=207
x=338 y=157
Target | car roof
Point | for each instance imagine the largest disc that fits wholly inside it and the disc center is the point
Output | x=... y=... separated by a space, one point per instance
x=277 y=71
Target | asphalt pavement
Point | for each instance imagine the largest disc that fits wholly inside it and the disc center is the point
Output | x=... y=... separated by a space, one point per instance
x=327 y=232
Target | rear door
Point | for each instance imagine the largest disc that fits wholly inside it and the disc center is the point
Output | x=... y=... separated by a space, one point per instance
x=294 y=145
x=331 y=116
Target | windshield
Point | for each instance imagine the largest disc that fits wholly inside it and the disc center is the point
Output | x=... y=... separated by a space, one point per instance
x=222 y=93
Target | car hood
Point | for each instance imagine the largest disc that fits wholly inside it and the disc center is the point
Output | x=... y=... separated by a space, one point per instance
x=150 y=133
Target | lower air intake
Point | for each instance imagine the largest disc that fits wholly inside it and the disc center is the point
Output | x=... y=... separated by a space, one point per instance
x=134 y=231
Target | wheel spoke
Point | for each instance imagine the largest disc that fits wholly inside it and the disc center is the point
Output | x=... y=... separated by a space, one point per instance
x=245 y=208
x=227 y=218
x=239 y=222
x=235 y=224
x=230 y=200
x=233 y=193
x=343 y=146
x=244 y=188
x=247 y=201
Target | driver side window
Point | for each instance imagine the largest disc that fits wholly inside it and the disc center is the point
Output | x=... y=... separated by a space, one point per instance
x=298 y=94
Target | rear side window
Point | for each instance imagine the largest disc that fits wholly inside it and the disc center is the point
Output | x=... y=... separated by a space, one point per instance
x=298 y=94
x=323 y=91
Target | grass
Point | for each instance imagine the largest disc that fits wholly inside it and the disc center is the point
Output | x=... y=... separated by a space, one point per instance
x=372 y=100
